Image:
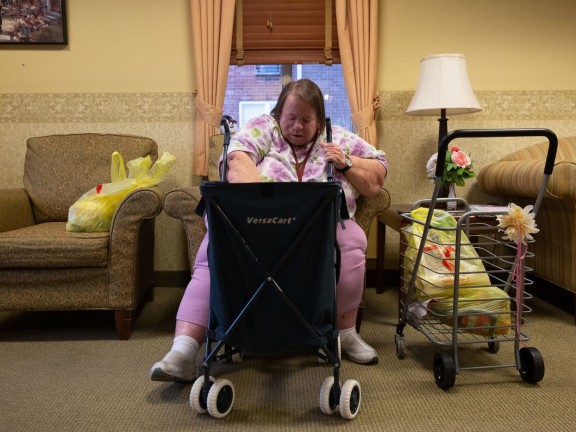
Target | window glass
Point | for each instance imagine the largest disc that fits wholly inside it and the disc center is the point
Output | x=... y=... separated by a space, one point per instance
x=250 y=92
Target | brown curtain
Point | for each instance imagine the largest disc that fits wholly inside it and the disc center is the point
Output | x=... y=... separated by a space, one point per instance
x=212 y=23
x=357 y=24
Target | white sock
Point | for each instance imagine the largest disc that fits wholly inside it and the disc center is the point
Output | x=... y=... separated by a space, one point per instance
x=187 y=345
x=347 y=331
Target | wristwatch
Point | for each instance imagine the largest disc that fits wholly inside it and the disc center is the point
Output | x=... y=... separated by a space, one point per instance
x=347 y=166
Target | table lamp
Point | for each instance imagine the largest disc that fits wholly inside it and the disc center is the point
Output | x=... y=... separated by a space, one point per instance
x=443 y=89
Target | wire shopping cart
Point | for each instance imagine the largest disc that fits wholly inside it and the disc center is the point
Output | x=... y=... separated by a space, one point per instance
x=463 y=279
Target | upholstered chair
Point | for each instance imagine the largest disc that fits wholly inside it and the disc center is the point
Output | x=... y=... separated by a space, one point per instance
x=42 y=266
x=517 y=178
x=181 y=204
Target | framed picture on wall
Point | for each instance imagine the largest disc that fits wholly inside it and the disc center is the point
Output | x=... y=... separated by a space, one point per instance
x=33 y=22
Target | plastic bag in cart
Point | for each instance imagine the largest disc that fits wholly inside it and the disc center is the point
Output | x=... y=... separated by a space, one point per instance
x=484 y=311
x=435 y=275
x=94 y=210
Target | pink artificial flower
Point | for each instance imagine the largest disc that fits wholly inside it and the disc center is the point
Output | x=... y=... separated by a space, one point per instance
x=460 y=158
x=454 y=149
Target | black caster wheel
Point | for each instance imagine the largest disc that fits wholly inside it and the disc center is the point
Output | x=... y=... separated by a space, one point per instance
x=400 y=346
x=444 y=370
x=493 y=346
x=531 y=365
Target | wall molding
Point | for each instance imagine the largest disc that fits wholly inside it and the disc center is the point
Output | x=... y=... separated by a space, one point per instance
x=497 y=105
x=96 y=107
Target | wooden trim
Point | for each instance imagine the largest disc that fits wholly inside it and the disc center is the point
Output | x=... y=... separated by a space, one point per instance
x=284 y=32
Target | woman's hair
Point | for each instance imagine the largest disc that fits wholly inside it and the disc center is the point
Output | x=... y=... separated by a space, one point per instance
x=309 y=92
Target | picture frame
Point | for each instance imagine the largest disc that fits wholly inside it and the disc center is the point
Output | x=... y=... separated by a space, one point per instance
x=33 y=22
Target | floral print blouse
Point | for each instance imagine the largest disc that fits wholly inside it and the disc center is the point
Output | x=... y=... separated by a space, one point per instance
x=262 y=139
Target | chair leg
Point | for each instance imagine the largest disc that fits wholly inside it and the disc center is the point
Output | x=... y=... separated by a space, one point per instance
x=123 y=320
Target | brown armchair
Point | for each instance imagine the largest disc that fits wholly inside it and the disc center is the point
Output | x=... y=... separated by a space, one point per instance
x=517 y=178
x=181 y=204
x=44 y=267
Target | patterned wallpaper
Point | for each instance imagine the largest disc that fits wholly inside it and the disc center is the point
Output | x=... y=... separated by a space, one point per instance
x=168 y=118
x=409 y=141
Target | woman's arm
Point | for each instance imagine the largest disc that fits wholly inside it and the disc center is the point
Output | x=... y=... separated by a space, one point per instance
x=241 y=168
x=366 y=175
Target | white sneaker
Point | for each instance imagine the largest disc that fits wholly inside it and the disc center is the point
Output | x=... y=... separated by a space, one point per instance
x=356 y=349
x=174 y=367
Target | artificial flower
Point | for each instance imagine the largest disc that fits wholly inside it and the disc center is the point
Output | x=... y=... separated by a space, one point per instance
x=518 y=224
x=457 y=167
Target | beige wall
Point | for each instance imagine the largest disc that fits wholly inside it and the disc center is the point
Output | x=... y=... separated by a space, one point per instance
x=128 y=68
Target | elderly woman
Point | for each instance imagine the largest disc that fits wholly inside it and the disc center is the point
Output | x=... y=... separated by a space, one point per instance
x=288 y=146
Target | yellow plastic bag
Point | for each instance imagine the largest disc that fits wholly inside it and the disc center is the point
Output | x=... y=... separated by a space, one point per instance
x=435 y=275
x=482 y=308
x=94 y=210
x=484 y=311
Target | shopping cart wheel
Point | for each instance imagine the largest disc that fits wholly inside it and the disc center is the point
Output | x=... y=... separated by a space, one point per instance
x=350 y=399
x=444 y=370
x=220 y=398
x=198 y=397
x=328 y=398
x=531 y=365
x=493 y=346
x=400 y=346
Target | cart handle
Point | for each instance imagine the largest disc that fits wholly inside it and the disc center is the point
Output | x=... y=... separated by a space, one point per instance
x=330 y=175
x=490 y=133
x=224 y=124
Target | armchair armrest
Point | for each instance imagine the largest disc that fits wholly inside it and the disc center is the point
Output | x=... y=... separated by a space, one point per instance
x=181 y=204
x=131 y=234
x=15 y=209
x=511 y=178
x=368 y=208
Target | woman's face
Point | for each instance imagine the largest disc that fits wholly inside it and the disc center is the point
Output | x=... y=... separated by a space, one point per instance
x=298 y=121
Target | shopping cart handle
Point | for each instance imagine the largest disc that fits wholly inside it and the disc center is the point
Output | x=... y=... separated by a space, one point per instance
x=493 y=133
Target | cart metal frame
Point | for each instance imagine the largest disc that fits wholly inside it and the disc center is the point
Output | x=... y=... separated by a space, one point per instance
x=475 y=228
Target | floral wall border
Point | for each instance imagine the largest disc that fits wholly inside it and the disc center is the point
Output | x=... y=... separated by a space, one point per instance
x=96 y=107
x=498 y=105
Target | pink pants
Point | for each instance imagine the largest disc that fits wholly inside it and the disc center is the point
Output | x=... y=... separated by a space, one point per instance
x=195 y=305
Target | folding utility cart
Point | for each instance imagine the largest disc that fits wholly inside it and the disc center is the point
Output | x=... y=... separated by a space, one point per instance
x=463 y=279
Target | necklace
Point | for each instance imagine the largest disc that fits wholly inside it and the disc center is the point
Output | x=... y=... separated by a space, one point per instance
x=299 y=166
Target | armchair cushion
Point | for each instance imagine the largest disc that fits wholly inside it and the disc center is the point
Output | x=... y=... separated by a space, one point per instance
x=49 y=245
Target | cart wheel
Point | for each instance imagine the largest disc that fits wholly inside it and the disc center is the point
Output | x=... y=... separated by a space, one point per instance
x=350 y=399
x=531 y=365
x=328 y=402
x=493 y=346
x=197 y=400
x=220 y=398
x=444 y=370
x=400 y=346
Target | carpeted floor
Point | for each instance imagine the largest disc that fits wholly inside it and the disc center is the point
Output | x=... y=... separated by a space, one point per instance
x=65 y=371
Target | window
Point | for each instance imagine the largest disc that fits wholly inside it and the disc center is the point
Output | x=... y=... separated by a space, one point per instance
x=249 y=94
x=268 y=69
x=282 y=41
x=249 y=109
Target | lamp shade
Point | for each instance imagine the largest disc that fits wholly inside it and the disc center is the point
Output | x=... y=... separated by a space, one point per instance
x=443 y=84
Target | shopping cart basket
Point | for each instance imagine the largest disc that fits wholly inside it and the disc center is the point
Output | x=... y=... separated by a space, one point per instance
x=463 y=280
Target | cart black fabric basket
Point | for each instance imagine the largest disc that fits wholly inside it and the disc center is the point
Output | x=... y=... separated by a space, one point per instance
x=273 y=263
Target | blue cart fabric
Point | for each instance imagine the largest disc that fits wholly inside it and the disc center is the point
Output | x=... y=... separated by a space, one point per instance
x=273 y=261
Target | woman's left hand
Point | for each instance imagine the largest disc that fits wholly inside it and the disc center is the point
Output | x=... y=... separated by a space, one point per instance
x=334 y=153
